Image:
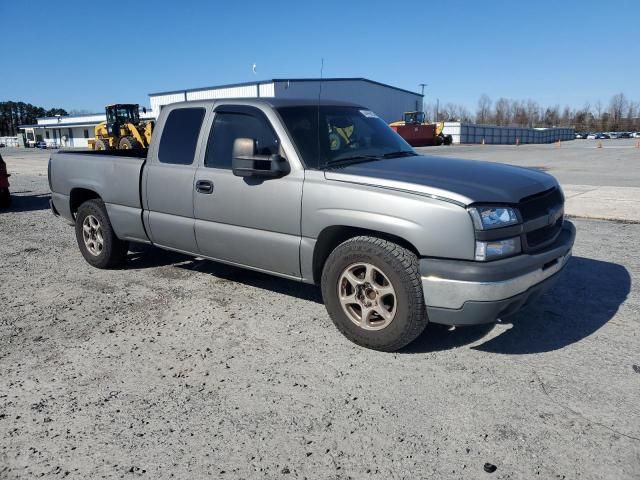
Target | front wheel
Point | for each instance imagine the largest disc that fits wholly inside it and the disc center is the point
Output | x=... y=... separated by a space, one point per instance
x=95 y=236
x=373 y=292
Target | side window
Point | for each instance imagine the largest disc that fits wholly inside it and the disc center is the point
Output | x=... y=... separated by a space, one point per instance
x=229 y=126
x=180 y=136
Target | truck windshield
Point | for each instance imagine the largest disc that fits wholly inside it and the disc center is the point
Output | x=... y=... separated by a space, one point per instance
x=328 y=136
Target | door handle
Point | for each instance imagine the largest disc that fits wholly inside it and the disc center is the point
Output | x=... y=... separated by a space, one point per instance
x=204 y=186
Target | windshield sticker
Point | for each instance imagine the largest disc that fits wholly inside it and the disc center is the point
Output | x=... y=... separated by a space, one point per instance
x=368 y=114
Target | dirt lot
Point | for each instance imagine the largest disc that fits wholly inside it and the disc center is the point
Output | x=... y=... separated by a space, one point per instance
x=180 y=368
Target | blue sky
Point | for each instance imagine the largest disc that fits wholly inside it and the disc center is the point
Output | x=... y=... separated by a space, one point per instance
x=83 y=55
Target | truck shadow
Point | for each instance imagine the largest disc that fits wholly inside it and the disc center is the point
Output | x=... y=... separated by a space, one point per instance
x=587 y=295
x=146 y=256
x=27 y=203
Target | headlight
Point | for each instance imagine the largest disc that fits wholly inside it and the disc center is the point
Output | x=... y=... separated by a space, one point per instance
x=485 y=218
x=494 y=249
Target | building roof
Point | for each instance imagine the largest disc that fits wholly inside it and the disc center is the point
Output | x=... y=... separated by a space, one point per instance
x=275 y=80
x=61 y=125
x=71 y=116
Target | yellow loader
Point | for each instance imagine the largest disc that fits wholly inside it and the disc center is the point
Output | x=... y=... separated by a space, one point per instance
x=123 y=129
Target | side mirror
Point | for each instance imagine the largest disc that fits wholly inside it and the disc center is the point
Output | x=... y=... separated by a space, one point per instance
x=246 y=163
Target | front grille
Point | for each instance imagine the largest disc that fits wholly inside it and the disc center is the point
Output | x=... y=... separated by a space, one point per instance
x=540 y=204
x=535 y=207
x=540 y=237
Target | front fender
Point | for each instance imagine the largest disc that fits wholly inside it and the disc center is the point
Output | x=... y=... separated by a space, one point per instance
x=436 y=228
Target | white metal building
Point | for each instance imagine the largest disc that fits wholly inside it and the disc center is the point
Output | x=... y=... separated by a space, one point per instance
x=387 y=101
x=491 y=134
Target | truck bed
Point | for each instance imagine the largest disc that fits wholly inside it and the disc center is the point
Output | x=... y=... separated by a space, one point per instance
x=114 y=176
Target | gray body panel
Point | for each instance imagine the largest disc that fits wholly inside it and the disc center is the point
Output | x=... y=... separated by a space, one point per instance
x=273 y=224
x=116 y=180
x=434 y=227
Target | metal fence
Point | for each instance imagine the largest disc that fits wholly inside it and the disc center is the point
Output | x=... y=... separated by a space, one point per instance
x=493 y=135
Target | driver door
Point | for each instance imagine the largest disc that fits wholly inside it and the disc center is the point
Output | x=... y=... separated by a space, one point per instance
x=248 y=221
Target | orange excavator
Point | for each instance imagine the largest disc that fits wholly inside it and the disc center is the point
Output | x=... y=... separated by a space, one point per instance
x=419 y=133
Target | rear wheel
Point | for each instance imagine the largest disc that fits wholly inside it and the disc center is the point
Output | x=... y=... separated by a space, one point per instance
x=102 y=144
x=129 y=143
x=373 y=292
x=95 y=236
x=448 y=139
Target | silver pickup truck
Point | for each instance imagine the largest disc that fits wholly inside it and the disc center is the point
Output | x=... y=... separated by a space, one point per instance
x=325 y=193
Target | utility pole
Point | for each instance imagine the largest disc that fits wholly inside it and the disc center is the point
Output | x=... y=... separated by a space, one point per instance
x=422 y=85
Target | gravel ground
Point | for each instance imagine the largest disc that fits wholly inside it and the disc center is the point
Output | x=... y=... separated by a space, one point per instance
x=180 y=368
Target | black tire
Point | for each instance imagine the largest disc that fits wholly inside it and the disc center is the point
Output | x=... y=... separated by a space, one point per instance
x=113 y=251
x=5 y=198
x=448 y=139
x=102 y=144
x=129 y=143
x=400 y=266
x=438 y=140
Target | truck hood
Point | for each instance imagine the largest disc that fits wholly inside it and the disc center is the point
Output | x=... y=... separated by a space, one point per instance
x=463 y=181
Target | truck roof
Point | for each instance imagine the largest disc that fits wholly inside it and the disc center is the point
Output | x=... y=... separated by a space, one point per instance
x=275 y=102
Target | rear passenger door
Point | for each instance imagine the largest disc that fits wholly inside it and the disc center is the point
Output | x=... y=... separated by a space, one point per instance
x=250 y=221
x=168 y=179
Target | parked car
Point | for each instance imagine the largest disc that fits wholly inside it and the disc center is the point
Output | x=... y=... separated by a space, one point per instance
x=325 y=193
x=592 y=136
x=602 y=136
x=624 y=135
x=581 y=136
x=5 y=195
x=41 y=144
x=636 y=135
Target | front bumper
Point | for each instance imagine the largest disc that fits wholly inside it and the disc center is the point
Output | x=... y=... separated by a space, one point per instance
x=459 y=292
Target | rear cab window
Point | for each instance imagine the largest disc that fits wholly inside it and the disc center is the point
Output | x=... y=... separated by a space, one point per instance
x=180 y=136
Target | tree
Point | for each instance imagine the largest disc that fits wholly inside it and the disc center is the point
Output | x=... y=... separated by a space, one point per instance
x=617 y=107
x=483 y=114
x=502 y=116
x=14 y=114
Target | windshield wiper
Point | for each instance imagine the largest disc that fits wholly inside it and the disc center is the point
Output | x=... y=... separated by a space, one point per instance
x=353 y=159
x=400 y=153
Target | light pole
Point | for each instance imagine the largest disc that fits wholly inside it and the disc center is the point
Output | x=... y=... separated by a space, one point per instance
x=422 y=85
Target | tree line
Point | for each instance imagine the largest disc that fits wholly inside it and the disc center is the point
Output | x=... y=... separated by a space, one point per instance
x=13 y=114
x=620 y=114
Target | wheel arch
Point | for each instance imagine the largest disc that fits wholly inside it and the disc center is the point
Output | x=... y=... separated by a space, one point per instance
x=78 y=196
x=332 y=236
